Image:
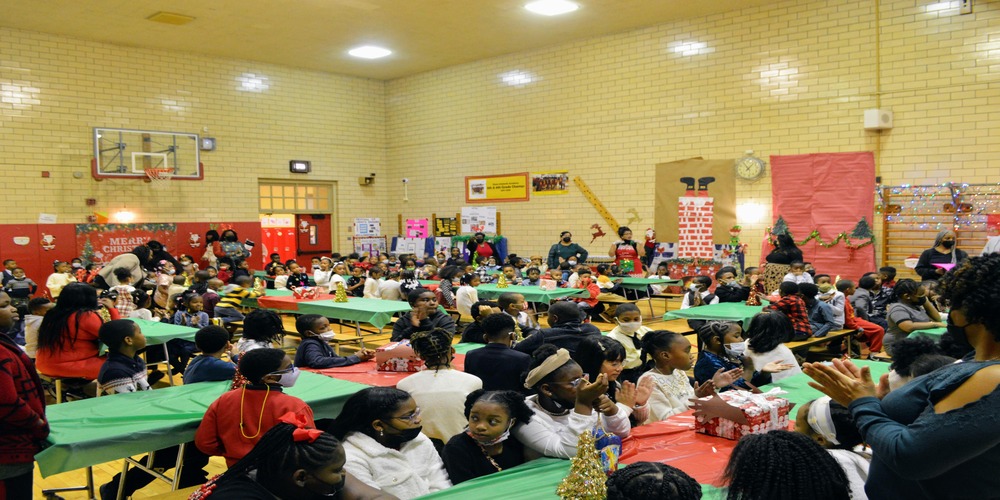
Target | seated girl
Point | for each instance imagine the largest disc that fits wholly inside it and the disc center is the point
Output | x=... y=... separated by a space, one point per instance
x=291 y=460
x=67 y=337
x=380 y=430
x=723 y=348
x=765 y=336
x=669 y=355
x=563 y=404
x=912 y=312
x=447 y=274
x=467 y=295
x=315 y=352
x=604 y=355
x=424 y=316
x=235 y=422
x=439 y=390
x=652 y=481
x=485 y=447
x=782 y=465
x=262 y=329
x=832 y=426
x=662 y=272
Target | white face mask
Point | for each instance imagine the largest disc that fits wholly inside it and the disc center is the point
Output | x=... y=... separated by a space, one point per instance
x=736 y=349
x=630 y=327
x=572 y=262
x=693 y=287
x=288 y=379
x=327 y=335
x=497 y=440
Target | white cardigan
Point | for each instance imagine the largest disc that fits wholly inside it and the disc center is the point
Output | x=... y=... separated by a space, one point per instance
x=556 y=435
x=415 y=469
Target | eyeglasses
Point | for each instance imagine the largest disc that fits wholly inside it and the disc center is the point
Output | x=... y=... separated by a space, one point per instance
x=290 y=369
x=573 y=383
x=411 y=418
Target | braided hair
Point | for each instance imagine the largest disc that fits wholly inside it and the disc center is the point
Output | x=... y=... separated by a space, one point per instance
x=433 y=346
x=972 y=287
x=782 y=465
x=712 y=330
x=905 y=286
x=263 y=325
x=512 y=401
x=277 y=455
x=654 y=342
x=652 y=481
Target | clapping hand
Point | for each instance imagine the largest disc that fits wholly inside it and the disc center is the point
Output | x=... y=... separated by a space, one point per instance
x=843 y=381
x=775 y=367
x=703 y=390
x=723 y=379
x=605 y=405
x=587 y=391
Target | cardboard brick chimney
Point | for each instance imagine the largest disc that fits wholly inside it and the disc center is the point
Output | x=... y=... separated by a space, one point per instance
x=695 y=227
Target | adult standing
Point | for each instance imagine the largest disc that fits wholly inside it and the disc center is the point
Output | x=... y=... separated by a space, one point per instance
x=943 y=252
x=778 y=261
x=135 y=261
x=479 y=247
x=940 y=431
x=229 y=245
x=566 y=251
x=211 y=242
x=627 y=253
x=160 y=254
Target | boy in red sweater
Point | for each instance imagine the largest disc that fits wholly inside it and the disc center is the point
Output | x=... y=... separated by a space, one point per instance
x=236 y=421
x=585 y=281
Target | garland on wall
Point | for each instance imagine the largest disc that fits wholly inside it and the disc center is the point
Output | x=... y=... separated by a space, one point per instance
x=464 y=238
x=861 y=231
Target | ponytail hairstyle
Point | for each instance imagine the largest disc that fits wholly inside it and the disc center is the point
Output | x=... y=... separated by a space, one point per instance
x=652 y=481
x=905 y=286
x=278 y=454
x=594 y=351
x=433 y=346
x=782 y=465
x=712 y=330
x=512 y=401
x=654 y=342
x=364 y=407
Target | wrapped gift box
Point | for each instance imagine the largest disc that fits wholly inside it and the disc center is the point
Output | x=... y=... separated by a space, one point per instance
x=397 y=357
x=764 y=412
x=305 y=292
x=545 y=284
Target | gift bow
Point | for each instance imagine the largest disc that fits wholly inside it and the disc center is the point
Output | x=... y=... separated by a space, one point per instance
x=302 y=431
x=761 y=400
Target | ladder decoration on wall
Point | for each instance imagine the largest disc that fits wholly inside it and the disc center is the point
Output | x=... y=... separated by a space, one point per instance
x=601 y=209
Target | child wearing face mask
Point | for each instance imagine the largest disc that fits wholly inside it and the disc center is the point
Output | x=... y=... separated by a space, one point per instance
x=721 y=349
x=730 y=290
x=485 y=447
x=629 y=332
x=833 y=297
x=910 y=313
x=832 y=426
x=315 y=352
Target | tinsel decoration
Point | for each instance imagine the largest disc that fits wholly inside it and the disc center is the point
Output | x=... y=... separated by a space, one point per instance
x=586 y=478
x=464 y=238
x=502 y=281
x=341 y=293
x=861 y=231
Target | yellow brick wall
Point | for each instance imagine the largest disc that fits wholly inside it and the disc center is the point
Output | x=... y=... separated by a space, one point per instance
x=789 y=78
x=53 y=90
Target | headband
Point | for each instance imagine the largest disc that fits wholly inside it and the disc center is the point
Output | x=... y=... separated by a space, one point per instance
x=821 y=420
x=302 y=432
x=551 y=364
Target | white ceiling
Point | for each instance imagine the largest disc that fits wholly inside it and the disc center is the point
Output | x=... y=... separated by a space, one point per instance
x=316 y=34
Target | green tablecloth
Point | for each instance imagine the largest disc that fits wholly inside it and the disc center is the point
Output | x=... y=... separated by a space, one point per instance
x=98 y=430
x=374 y=311
x=531 y=293
x=933 y=333
x=799 y=391
x=429 y=282
x=157 y=333
x=252 y=302
x=465 y=347
x=642 y=283
x=537 y=479
x=723 y=311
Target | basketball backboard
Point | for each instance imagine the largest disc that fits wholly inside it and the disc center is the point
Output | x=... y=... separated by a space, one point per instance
x=122 y=153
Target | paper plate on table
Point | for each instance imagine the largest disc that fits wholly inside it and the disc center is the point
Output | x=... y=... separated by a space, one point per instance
x=947 y=267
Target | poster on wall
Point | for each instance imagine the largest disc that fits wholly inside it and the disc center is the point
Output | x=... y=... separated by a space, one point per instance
x=371 y=245
x=442 y=245
x=479 y=220
x=493 y=188
x=367 y=226
x=99 y=243
x=409 y=245
x=446 y=226
x=416 y=228
x=546 y=183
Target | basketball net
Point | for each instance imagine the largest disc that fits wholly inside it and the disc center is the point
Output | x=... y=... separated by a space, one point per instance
x=159 y=177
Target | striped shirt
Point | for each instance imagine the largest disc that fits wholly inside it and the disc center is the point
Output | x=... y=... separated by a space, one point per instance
x=234 y=297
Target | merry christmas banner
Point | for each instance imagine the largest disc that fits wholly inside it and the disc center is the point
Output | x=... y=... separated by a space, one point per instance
x=99 y=243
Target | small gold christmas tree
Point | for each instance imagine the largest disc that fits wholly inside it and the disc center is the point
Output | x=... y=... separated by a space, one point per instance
x=341 y=294
x=502 y=281
x=586 y=478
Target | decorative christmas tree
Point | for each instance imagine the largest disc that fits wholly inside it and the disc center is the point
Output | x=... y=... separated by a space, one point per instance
x=862 y=231
x=502 y=281
x=780 y=227
x=341 y=294
x=586 y=478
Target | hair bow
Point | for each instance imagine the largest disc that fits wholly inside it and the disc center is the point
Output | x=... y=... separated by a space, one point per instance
x=303 y=431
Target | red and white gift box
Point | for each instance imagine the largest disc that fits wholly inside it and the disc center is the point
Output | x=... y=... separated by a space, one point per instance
x=397 y=357
x=305 y=292
x=764 y=412
x=545 y=284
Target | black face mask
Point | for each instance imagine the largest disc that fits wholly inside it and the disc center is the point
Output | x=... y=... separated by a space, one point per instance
x=921 y=301
x=230 y=237
x=958 y=334
x=567 y=239
x=332 y=490
x=401 y=437
x=948 y=243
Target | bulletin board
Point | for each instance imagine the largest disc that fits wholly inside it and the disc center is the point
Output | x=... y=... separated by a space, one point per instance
x=494 y=188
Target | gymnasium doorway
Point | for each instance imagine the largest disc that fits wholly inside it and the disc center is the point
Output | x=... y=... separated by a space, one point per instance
x=297 y=219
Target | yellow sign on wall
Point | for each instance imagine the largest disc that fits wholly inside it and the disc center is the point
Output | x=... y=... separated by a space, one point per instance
x=493 y=188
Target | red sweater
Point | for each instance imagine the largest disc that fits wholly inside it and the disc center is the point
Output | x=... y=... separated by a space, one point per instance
x=76 y=358
x=219 y=433
x=22 y=406
x=594 y=292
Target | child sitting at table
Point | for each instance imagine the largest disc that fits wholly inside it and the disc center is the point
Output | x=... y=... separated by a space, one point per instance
x=445 y=287
x=125 y=371
x=467 y=295
x=822 y=319
x=213 y=342
x=315 y=352
x=556 y=275
x=588 y=304
x=782 y=465
x=603 y=355
x=753 y=279
x=408 y=282
x=794 y=309
x=390 y=288
x=797 y=274
x=496 y=364
x=832 y=427
x=533 y=277
x=323 y=275
x=485 y=447
x=722 y=348
x=474 y=332
x=280 y=277
x=373 y=284
x=912 y=312
x=766 y=334
x=629 y=332
x=262 y=329
x=698 y=294
x=729 y=289
x=439 y=390
x=192 y=313
x=829 y=294
x=356 y=283
x=235 y=422
x=652 y=481
x=228 y=307
x=297 y=277
x=37 y=307
x=668 y=355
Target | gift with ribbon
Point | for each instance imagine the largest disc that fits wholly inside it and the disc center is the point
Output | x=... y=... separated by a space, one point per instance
x=743 y=413
x=398 y=357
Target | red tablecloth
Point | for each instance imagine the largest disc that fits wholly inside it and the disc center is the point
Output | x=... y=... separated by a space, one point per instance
x=365 y=373
x=288 y=303
x=674 y=442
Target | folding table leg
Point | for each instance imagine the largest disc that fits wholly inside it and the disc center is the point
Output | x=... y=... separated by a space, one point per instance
x=166 y=357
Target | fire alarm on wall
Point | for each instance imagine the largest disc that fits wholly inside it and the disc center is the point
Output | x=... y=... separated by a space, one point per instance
x=878 y=119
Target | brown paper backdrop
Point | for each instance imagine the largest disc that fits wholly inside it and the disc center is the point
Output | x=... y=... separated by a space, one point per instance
x=669 y=188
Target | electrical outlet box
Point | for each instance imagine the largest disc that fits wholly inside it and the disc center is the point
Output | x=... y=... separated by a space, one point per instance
x=965 y=6
x=878 y=119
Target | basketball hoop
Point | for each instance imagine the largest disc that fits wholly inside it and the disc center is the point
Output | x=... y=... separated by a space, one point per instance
x=159 y=177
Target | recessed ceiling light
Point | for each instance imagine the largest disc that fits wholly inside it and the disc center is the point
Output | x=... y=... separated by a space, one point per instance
x=369 y=52
x=552 y=7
